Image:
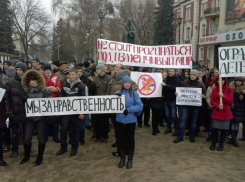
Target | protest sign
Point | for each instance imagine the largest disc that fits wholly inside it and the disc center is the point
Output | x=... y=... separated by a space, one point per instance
x=232 y=61
x=75 y=105
x=170 y=56
x=189 y=96
x=149 y=84
x=2 y=92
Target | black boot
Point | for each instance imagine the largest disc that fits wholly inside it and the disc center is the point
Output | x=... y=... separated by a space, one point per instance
x=234 y=138
x=214 y=138
x=222 y=140
x=130 y=160
x=122 y=155
x=26 y=158
x=41 y=148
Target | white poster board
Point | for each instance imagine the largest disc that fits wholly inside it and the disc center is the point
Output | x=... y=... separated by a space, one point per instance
x=189 y=96
x=149 y=84
x=75 y=105
x=2 y=92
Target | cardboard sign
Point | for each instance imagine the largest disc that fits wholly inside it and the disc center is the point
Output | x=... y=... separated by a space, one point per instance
x=149 y=84
x=170 y=56
x=2 y=92
x=75 y=105
x=189 y=96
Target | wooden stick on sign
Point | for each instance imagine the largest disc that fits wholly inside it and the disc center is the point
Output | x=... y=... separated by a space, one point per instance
x=220 y=90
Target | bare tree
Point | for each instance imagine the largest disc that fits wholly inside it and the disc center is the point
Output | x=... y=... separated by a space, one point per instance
x=30 y=21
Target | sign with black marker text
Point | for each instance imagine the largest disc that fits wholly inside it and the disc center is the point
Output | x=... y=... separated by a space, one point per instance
x=75 y=105
x=189 y=96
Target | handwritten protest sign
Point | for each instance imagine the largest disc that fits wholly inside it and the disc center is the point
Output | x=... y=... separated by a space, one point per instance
x=2 y=92
x=74 y=105
x=149 y=84
x=232 y=61
x=189 y=96
x=171 y=56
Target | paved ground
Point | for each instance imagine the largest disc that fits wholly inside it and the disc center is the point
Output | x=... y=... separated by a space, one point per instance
x=156 y=159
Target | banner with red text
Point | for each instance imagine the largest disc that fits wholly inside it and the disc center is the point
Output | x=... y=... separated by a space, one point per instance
x=149 y=84
x=169 y=56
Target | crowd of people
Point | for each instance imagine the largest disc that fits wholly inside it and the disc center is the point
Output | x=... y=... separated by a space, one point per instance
x=34 y=79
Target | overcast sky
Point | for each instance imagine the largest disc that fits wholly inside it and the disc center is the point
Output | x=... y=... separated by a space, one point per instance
x=47 y=4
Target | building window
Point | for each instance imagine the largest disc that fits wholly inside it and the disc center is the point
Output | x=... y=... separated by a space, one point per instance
x=203 y=30
x=188 y=33
x=209 y=53
x=217 y=3
x=211 y=28
x=188 y=13
x=177 y=35
x=201 y=53
x=204 y=6
x=213 y=3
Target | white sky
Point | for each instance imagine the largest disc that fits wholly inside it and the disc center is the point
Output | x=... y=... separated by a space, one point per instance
x=47 y=5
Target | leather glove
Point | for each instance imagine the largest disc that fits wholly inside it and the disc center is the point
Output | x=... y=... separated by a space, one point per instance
x=119 y=94
x=23 y=101
x=125 y=112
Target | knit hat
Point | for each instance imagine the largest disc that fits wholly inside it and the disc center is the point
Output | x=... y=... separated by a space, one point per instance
x=21 y=66
x=66 y=71
x=80 y=64
x=194 y=72
x=86 y=64
x=8 y=62
x=10 y=72
x=100 y=67
x=120 y=74
x=126 y=79
x=47 y=67
x=56 y=63
x=63 y=62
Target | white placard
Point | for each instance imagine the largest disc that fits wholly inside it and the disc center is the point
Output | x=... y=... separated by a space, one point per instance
x=232 y=61
x=189 y=96
x=2 y=92
x=149 y=84
x=75 y=105
x=163 y=56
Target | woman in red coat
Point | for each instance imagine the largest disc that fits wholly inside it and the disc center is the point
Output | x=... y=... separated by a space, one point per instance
x=221 y=114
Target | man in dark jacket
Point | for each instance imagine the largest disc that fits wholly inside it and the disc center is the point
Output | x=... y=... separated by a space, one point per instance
x=15 y=93
x=72 y=87
x=170 y=101
x=102 y=120
x=187 y=111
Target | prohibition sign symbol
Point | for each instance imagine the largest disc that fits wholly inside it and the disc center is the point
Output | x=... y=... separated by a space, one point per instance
x=146 y=84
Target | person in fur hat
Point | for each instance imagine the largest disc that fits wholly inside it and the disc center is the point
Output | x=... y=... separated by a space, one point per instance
x=238 y=108
x=34 y=84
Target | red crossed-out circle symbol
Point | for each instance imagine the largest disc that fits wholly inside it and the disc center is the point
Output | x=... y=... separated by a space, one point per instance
x=146 y=85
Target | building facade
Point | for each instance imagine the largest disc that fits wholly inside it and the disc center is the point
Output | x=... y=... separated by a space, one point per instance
x=208 y=25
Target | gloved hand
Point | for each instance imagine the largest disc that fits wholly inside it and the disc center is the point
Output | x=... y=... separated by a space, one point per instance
x=125 y=112
x=119 y=94
x=9 y=114
x=23 y=101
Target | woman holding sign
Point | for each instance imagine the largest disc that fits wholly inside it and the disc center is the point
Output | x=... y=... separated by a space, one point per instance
x=126 y=121
x=221 y=114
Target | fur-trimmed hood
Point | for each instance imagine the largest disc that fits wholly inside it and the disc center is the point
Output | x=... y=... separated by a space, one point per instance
x=236 y=89
x=40 y=80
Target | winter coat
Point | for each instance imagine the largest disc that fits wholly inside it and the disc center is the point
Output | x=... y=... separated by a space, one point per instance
x=60 y=75
x=194 y=84
x=53 y=81
x=15 y=94
x=41 y=92
x=118 y=86
x=238 y=102
x=170 y=88
x=133 y=104
x=157 y=102
x=101 y=84
x=4 y=107
x=225 y=113
x=77 y=89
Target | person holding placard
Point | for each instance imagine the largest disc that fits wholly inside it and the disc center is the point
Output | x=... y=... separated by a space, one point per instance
x=4 y=107
x=126 y=121
x=34 y=85
x=187 y=111
x=221 y=114
x=238 y=108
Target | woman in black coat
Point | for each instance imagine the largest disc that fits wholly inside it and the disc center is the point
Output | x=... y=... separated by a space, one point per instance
x=4 y=107
x=238 y=108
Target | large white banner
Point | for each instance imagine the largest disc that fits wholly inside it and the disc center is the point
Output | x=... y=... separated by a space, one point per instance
x=189 y=96
x=75 y=105
x=170 y=56
x=232 y=61
x=149 y=84
x=2 y=92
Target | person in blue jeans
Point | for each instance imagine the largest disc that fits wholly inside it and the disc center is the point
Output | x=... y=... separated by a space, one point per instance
x=187 y=111
x=170 y=85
